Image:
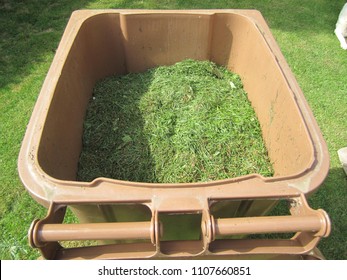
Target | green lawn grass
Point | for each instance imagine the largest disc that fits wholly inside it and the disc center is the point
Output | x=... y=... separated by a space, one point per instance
x=30 y=32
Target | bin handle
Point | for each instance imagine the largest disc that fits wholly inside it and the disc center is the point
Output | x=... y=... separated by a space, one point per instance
x=91 y=231
x=314 y=223
x=308 y=224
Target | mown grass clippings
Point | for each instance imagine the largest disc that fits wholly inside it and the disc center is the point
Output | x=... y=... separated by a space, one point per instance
x=189 y=122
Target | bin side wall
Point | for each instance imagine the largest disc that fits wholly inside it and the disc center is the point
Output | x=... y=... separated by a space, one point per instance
x=246 y=52
x=155 y=39
x=97 y=52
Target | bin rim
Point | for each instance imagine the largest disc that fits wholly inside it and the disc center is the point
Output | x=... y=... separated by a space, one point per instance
x=45 y=188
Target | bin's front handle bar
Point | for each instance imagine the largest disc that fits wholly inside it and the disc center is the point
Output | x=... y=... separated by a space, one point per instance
x=277 y=224
x=310 y=225
x=92 y=231
x=43 y=233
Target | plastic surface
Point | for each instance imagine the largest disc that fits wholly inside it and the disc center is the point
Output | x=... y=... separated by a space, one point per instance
x=99 y=43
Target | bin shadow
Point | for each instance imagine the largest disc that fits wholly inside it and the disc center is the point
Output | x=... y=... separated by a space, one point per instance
x=115 y=144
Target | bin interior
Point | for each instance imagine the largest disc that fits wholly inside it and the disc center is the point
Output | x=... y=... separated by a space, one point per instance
x=119 y=43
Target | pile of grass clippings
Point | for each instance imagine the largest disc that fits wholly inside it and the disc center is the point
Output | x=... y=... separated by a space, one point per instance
x=189 y=122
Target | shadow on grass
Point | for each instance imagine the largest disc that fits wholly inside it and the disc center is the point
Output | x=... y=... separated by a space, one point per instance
x=293 y=16
x=32 y=29
x=302 y=16
x=29 y=31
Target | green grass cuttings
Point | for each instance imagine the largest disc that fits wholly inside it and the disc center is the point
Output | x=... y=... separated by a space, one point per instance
x=189 y=122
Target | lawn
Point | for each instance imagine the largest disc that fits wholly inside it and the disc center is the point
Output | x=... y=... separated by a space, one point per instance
x=30 y=32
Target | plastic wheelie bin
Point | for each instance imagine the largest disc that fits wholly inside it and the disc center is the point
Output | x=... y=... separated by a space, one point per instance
x=134 y=219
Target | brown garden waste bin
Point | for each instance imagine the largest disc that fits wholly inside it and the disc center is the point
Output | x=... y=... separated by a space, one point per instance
x=133 y=218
